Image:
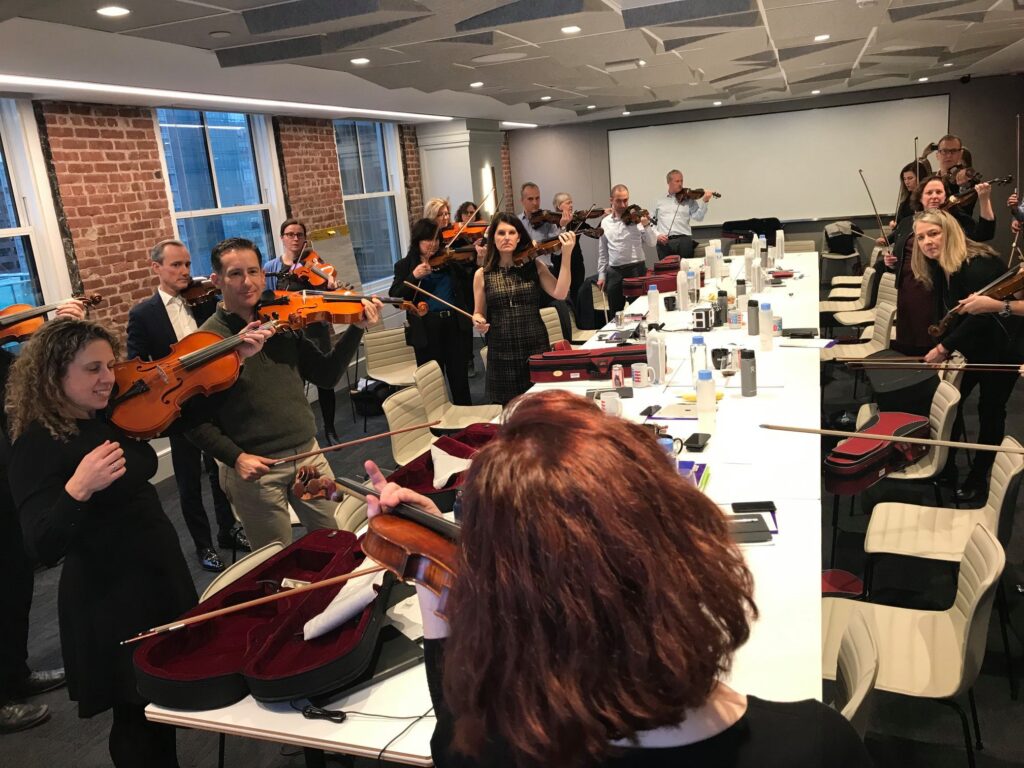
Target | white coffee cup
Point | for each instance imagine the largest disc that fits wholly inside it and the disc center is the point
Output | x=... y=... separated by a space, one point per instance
x=611 y=403
x=643 y=375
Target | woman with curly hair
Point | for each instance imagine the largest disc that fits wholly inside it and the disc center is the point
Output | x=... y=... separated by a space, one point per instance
x=594 y=617
x=83 y=492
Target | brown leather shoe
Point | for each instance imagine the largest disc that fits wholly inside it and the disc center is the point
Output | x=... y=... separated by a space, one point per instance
x=41 y=682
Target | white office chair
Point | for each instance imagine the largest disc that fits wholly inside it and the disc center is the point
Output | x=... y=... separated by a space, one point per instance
x=483 y=356
x=858 y=301
x=887 y=293
x=350 y=514
x=434 y=391
x=856 y=670
x=403 y=409
x=881 y=336
x=928 y=654
x=389 y=358
x=549 y=315
x=801 y=246
x=237 y=570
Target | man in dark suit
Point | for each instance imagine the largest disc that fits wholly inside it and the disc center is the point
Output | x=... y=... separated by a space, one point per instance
x=153 y=326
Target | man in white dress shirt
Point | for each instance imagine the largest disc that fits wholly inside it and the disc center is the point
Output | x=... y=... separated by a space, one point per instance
x=672 y=218
x=621 y=247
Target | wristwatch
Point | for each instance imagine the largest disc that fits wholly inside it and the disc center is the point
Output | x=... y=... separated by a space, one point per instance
x=1005 y=311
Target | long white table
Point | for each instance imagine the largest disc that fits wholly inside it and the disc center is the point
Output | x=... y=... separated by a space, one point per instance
x=782 y=659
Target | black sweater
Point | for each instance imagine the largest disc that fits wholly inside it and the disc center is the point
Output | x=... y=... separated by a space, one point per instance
x=801 y=734
x=984 y=338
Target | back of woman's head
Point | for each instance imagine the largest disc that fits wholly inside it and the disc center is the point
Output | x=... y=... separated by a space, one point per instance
x=35 y=387
x=599 y=593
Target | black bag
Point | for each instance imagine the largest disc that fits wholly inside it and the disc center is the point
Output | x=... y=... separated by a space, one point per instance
x=369 y=401
x=840 y=237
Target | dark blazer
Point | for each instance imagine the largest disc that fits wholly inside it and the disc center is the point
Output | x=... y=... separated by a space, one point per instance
x=150 y=333
x=986 y=338
x=417 y=332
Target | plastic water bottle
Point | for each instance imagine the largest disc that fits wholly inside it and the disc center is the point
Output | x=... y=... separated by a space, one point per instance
x=756 y=277
x=766 y=327
x=705 y=401
x=653 y=305
x=699 y=360
x=693 y=284
x=683 y=289
x=657 y=355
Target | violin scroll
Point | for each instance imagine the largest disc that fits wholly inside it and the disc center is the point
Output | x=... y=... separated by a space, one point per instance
x=633 y=214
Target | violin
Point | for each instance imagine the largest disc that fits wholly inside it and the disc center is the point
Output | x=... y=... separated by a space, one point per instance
x=538 y=218
x=968 y=198
x=471 y=231
x=297 y=309
x=199 y=292
x=19 y=321
x=633 y=214
x=311 y=268
x=442 y=257
x=685 y=194
x=149 y=395
x=1003 y=287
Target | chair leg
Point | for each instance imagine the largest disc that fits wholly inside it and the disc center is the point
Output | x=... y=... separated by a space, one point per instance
x=938 y=493
x=835 y=531
x=869 y=574
x=974 y=717
x=964 y=725
x=220 y=750
x=1004 y=619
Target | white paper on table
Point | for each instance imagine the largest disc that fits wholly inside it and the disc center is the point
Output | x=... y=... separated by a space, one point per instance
x=350 y=601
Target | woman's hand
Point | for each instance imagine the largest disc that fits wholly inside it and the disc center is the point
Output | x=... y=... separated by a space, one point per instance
x=881 y=241
x=391 y=495
x=568 y=240
x=984 y=190
x=890 y=259
x=253 y=339
x=936 y=354
x=72 y=308
x=421 y=270
x=976 y=304
x=371 y=313
x=97 y=470
x=480 y=323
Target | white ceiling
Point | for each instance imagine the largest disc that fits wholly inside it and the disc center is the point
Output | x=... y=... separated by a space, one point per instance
x=425 y=53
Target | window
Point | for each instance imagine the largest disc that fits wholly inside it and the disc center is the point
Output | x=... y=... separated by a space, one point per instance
x=370 y=198
x=19 y=280
x=212 y=171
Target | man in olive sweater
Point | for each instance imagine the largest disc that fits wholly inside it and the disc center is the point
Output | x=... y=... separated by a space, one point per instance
x=265 y=415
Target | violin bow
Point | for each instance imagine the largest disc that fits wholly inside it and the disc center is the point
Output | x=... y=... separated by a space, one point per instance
x=878 y=218
x=425 y=292
x=350 y=443
x=894 y=438
x=1015 y=248
x=895 y=365
x=189 y=621
x=465 y=224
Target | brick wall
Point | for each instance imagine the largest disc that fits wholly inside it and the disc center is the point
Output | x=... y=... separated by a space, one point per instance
x=111 y=198
x=506 y=175
x=411 y=171
x=309 y=171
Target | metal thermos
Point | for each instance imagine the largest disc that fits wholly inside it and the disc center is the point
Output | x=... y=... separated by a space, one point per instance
x=752 y=325
x=723 y=308
x=748 y=373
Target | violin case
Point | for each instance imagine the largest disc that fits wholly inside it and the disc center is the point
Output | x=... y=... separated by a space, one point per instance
x=632 y=287
x=668 y=264
x=260 y=651
x=584 y=364
x=865 y=459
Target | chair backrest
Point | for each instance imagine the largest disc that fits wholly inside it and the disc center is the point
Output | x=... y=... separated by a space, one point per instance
x=387 y=348
x=886 y=287
x=885 y=315
x=982 y=563
x=483 y=356
x=404 y=409
x=954 y=372
x=431 y=384
x=1003 y=486
x=600 y=298
x=350 y=514
x=856 y=670
x=865 y=288
x=941 y=416
x=549 y=315
x=237 y=570
x=800 y=246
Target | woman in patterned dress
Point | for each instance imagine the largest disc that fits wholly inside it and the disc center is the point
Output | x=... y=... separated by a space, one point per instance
x=507 y=305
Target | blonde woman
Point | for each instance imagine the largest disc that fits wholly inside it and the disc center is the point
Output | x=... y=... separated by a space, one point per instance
x=954 y=268
x=439 y=210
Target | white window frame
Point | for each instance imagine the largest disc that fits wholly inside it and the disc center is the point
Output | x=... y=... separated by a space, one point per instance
x=267 y=169
x=396 y=182
x=33 y=197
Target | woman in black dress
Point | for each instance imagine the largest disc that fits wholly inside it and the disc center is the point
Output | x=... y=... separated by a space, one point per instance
x=83 y=492
x=507 y=305
x=591 y=622
x=440 y=334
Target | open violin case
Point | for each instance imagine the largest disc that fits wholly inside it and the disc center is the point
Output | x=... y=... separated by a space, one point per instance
x=584 y=364
x=261 y=651
x=662 y=275
x=857 y=459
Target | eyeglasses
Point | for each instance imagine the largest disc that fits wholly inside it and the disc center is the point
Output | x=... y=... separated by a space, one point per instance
x=950 y=151
x=294 y=234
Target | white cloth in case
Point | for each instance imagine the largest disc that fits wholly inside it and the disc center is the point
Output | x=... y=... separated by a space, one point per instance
x=446 y=465
x=350 y=601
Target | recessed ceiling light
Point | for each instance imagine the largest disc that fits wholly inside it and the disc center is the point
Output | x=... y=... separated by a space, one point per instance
x=220 y=33
x=591 y=106
x=511 y=124
x=477 y=84
x=545 y=98
x=571 y=30
x=948 y=64
x=815 y=92
x=626 y=113
x=821 y=38
x=922 y=79
x=718 y=104
x=360 y=60
x=641 y=62
x=113 y=11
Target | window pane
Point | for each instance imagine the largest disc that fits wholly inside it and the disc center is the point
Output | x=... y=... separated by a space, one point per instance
x=188 y=165
x=233 y=159
x=202 y=233
x=371 y=153
x=348 y=157
x=374 y=230
x=19 y=283
x=8 y=211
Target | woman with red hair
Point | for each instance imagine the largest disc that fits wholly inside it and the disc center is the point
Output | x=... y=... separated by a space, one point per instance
x=598 y=604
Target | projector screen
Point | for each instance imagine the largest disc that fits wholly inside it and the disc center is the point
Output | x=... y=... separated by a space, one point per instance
x=795 y=166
